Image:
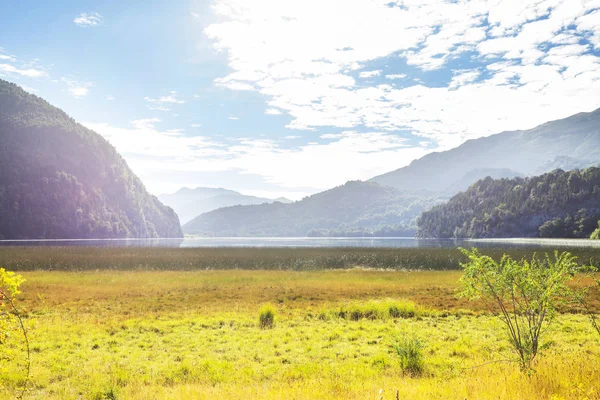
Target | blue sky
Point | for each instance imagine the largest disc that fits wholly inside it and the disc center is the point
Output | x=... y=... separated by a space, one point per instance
x=288 y=98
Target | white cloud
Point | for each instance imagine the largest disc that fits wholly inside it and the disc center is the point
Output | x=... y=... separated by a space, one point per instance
x=163 y=103
x=148 y=149
x=86 y=20
x=530 y=80
x=110 y=98
x=272 y=111
x=395 y=76
x=195 y=125
x=232 y=118
x=77 y=89
x=28 y=72
x=369 y=74
x=234 y=85
x=462 y=77
x=145 y=123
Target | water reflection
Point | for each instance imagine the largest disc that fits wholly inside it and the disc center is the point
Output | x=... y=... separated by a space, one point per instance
x=309 y=242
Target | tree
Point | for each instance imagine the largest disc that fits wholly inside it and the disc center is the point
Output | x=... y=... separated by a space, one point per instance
x=526 y=292
x=596 y=234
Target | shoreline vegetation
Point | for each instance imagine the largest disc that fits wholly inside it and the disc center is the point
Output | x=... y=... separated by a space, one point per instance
x=82 y=258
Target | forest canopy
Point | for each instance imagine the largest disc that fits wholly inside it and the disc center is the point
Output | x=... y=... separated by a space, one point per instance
x=558 y=204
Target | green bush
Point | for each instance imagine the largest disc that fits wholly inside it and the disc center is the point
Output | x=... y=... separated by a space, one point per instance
x=525 y=293
x=410 y=351
x=596 y=233
x=266 y=317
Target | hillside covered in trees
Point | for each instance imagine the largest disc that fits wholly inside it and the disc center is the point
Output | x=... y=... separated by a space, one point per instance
x=61 y=180
x=557 y=204
x=354 y=209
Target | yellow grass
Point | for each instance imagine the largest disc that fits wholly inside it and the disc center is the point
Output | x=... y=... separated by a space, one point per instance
x=179 y=335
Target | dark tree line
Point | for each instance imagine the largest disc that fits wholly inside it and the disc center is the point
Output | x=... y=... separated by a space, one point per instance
x=557 y=204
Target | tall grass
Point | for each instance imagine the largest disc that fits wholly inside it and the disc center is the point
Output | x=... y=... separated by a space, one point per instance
x=266 y=316
x=18 y=258
x=375 y=310
x=410 y=352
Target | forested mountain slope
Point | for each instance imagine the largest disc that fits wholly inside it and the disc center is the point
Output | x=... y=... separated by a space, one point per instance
x=555 y=204
x=61 y=180
x=189 y=203
x=354 y=209
x=567 y=143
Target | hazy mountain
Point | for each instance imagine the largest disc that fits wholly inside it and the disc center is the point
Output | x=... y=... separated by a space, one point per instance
x=566 y=163
x=526 y=153
x=479 y=173
x=62 y=180
x=189 y=203
x=556 y=204
x=356 y=209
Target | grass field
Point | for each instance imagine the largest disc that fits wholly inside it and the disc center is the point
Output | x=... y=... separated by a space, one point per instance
x=158 y=334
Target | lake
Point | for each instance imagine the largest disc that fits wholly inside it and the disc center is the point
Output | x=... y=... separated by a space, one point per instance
x=399 y=242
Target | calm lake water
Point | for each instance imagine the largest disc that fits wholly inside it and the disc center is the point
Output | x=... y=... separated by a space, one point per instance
x=309 y=242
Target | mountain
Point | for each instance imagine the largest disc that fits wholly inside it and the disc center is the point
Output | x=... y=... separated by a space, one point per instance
x=62 y=180
x=566 y=163
x=527 y=153
x=479 y=173
x=390 y=207
x=555 y=204
x=354 y=209
x=189 y=203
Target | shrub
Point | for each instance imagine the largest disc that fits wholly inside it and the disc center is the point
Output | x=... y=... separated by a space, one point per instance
x=266 y=316
x=9 y=288
x=582 y=298
x=596 y=233
x=525 y=292
x=410 y=351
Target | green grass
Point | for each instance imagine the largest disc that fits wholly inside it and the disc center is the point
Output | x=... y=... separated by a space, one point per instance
x=338 y=334
x=266 y=316
x=410 y=352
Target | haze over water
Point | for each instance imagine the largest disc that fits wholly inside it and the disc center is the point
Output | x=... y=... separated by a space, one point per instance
x=309 y=242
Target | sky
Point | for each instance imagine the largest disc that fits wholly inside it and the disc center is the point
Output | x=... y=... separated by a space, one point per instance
x=289 y=98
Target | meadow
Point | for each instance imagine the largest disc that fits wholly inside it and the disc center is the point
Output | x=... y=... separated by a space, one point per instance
x=139 y=324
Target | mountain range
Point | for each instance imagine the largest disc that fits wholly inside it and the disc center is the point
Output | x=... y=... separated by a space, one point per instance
x=62 y=180
x=389 y=204
x=189 y=203
x=573 y=141
x=354 y=209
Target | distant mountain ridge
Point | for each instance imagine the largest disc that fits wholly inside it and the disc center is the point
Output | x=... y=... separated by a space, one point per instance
x=354 y=209
x=555 y=144
x=189 y=203
x=573 y=142
x=562 y=204
x=61 y=180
